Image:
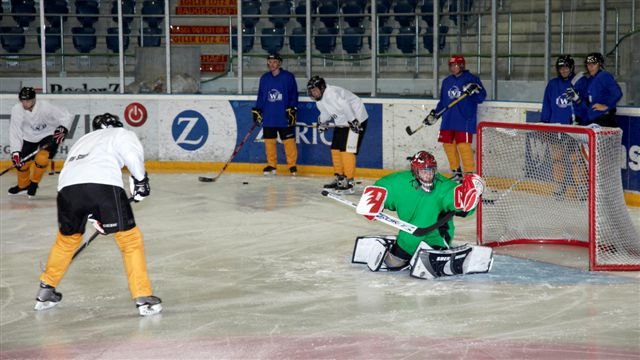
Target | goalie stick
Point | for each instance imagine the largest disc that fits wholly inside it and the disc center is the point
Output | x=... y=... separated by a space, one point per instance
x=395 y=222
x=438 y=114
x=235 y=152
x=26 y=158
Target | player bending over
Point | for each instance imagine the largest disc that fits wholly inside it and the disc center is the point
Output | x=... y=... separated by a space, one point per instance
x=91 y=187
x=425 y=198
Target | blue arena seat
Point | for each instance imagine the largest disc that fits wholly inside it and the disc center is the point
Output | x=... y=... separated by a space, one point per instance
x=325 y=40
x=53 y=41
x=152 y=7
x=112 y=39
x=272 y=40
x=352 y=40
x=12 y=38
x=24 y=12
x=128 y=11
x=151 y=37
x=328 y=7
x=353 y=8
x=384 y=39
x=250 y=8
x=247 y=39
x=282 y=10
x=406 y=39
x=84 y=39
x=55 y=12
x=87 y=12
x=301 y=11
x=298 y=40
x=404 y=6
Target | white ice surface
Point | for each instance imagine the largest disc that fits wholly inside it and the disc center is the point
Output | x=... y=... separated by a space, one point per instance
x=261 y=271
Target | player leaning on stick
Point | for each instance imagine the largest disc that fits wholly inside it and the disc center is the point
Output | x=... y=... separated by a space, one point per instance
x=34 y=124
x=459 y=122
x=90 y=185
x=276 y=110
x=350 y=117
x=424 y=198
x=603 y=93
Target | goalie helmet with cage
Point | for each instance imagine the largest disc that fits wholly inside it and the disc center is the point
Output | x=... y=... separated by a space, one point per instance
x=565 y=61
x=316 y=82
x=424 y=168
x=105 y=120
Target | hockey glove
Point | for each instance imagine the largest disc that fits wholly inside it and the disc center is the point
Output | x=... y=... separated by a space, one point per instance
x=257 y=116
x=59 y=134
x=322 y=126
x=431 y=118
x=573 y=95
x=292 y=115
x=140 y=189
x=354 y=125
x=96 y=224
x=467 y=194
x=17 y=159
x=471 y=89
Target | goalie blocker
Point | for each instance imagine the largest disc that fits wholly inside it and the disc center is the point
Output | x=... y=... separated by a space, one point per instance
x=426 y=263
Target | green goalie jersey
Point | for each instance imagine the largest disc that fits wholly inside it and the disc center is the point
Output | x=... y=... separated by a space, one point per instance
x=420 y=208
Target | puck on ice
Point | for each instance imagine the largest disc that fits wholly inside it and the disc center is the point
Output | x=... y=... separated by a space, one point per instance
x=245 y=183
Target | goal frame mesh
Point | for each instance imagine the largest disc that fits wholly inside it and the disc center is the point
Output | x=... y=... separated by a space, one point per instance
x=597 y=199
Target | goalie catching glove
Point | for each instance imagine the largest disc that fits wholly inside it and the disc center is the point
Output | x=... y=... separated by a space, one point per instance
x=256 y=114
x=467 y=195
x=140 y=189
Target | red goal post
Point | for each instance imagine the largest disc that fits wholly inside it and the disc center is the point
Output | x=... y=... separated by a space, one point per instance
x=556 y=184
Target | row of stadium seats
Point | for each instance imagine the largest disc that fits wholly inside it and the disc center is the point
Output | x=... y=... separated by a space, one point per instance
x=13 y=39
x=327 y=12
x=87 y=11
x=272 y=40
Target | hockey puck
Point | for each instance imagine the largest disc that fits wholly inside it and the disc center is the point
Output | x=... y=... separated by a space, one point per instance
x=245 y=183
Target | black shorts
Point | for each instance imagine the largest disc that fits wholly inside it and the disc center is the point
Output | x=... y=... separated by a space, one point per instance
x=107 y=203
x=341 y=136
x=285 y=133
x=29 y=147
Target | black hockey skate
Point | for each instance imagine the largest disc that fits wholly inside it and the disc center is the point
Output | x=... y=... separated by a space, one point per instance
x=17 y=190
x=31 y=191
x=269 y=170
x=333 y=184
x=47 y=297
x=293 y=170
x=344 y=186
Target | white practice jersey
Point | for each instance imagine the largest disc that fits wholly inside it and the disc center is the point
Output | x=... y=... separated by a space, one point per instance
x=341 y=106
x=36 y=124
x=99 y=156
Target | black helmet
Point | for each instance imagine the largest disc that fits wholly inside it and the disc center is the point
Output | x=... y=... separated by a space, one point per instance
x=565 y=60
x=594 y=58
x=274 y=56
x=27 y=93
x=104 y=121
x=316 y=82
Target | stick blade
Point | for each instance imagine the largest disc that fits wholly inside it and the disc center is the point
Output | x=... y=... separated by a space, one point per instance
x=408 y=130
x=206 y=179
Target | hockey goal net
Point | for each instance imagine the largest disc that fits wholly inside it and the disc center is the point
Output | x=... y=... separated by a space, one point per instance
x=556 y=184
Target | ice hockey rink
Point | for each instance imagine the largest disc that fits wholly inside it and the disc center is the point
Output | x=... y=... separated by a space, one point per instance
x=262 y=271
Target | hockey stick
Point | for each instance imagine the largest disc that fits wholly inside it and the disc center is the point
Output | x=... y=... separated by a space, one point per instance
x=395 y=222
x=438 y=114
x=235 y=152
x=93 y=237
x=26 y=158
x=316 y=125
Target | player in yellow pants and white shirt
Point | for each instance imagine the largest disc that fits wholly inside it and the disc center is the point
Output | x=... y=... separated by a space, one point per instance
x=348 y=113
x=90 y=187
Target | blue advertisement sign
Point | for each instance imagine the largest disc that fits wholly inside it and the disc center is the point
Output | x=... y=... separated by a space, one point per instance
x=630 y=126
x=190 y=130
x=313 y=146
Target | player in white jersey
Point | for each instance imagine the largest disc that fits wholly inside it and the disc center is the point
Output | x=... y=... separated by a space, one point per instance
x=35 y=126
x=349 y=115
x=90 y=187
